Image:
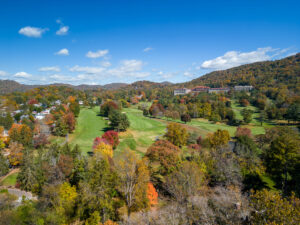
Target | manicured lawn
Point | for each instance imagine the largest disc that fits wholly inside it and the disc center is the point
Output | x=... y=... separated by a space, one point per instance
x=10 y=180
x=89 y=126
x=142 y=132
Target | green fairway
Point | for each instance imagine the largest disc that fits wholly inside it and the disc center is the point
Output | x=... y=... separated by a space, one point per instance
x=142 y=132
x=10 y=180
x=89 y=126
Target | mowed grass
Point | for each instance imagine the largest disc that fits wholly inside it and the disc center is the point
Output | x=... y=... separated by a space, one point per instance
x=10 y=180
x=142 y=133
x=89 y=126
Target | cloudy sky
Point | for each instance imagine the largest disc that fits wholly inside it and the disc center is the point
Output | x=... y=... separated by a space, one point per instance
x=99 y=42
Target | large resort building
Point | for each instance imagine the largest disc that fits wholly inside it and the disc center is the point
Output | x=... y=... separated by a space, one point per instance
x=199 y=89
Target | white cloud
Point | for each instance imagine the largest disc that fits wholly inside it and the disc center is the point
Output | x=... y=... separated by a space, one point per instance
x=50 y=69
x=105 y=64
x=22 y=75
x=87 y=69
x=147 y=49
x=130 y=68
x=160 y=73
x=63 y=51
x=97 y=54
x=235 y=58
x=62 y=31
x=3 y=73
x=188 y=74
x=32 y=31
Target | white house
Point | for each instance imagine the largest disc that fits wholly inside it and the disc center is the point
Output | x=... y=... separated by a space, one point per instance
x=181 y=91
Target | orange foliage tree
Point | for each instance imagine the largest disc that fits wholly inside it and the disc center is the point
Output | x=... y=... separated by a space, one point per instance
x=152 y=195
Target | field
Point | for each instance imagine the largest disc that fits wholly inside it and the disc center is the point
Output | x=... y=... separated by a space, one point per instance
x=143 y=130
x=142 y=133
x=10 y=180
x=89 y=126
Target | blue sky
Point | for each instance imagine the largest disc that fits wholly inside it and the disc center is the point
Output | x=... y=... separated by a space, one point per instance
x=99 y=42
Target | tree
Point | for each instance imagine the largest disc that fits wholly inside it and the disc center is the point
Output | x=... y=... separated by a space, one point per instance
x=104 y=149
x=247 y=115
x=269 y=207
x=134 y=179
x=29 y=177
x=3 y=165
x=70 y=121
x=262 y=116
x=119 y=120
x=243 y=131
x=164 y=158
x=61 y=128
x=98 y=140
x=176 y=134
x=186 y=118
x=152 y=195
x=145 y=112
x=39 y=141
x=16 y=153
x=108 y=107
x=219 y=138
x=112 y=138
x=75 y=108
x=21 y=133
x=185 y=182
x=293 y=112
x=282 y=158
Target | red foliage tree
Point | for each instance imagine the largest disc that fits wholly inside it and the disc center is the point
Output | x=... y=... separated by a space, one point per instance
x=112 y=137
x=243 y=131
x=165 y=154
x=98 y=140
x=69 y=119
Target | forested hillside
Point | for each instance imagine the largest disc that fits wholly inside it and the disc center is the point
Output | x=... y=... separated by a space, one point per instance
x=275 y=74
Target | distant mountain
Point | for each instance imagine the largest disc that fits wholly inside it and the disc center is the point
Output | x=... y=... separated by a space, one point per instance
x=8 y=86
x=271 y=74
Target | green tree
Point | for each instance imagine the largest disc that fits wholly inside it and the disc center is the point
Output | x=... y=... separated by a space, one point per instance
x=3 y=165
x=118 y=120
x=282 y=158
x=247 y=115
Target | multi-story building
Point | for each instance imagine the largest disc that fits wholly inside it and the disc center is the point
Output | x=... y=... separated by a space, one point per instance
x=218 y=90
x=200 y=89
x=181 y=91
x=243 y=88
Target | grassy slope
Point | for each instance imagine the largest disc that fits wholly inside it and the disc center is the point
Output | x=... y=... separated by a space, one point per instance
x=142 y=132
x=10 y=180
x=89 y=125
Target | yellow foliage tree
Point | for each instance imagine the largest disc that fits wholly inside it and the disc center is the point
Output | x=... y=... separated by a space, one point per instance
x=219 y=138
x=177 y=134
x=104 y=149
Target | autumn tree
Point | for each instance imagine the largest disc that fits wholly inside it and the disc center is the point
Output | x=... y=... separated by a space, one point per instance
x=3 y=165
x=269 y=207
x=164 y=158
x=134 y=179
x=16 y=153
x=152 y=195
x=185 y=182
x=186 y=118
x=104 y=149
x=243 y=131
x=219 y=138
x=70 y=121
x=108 y=107
x=176 y=134
x=21 y=133
x=112 y=137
